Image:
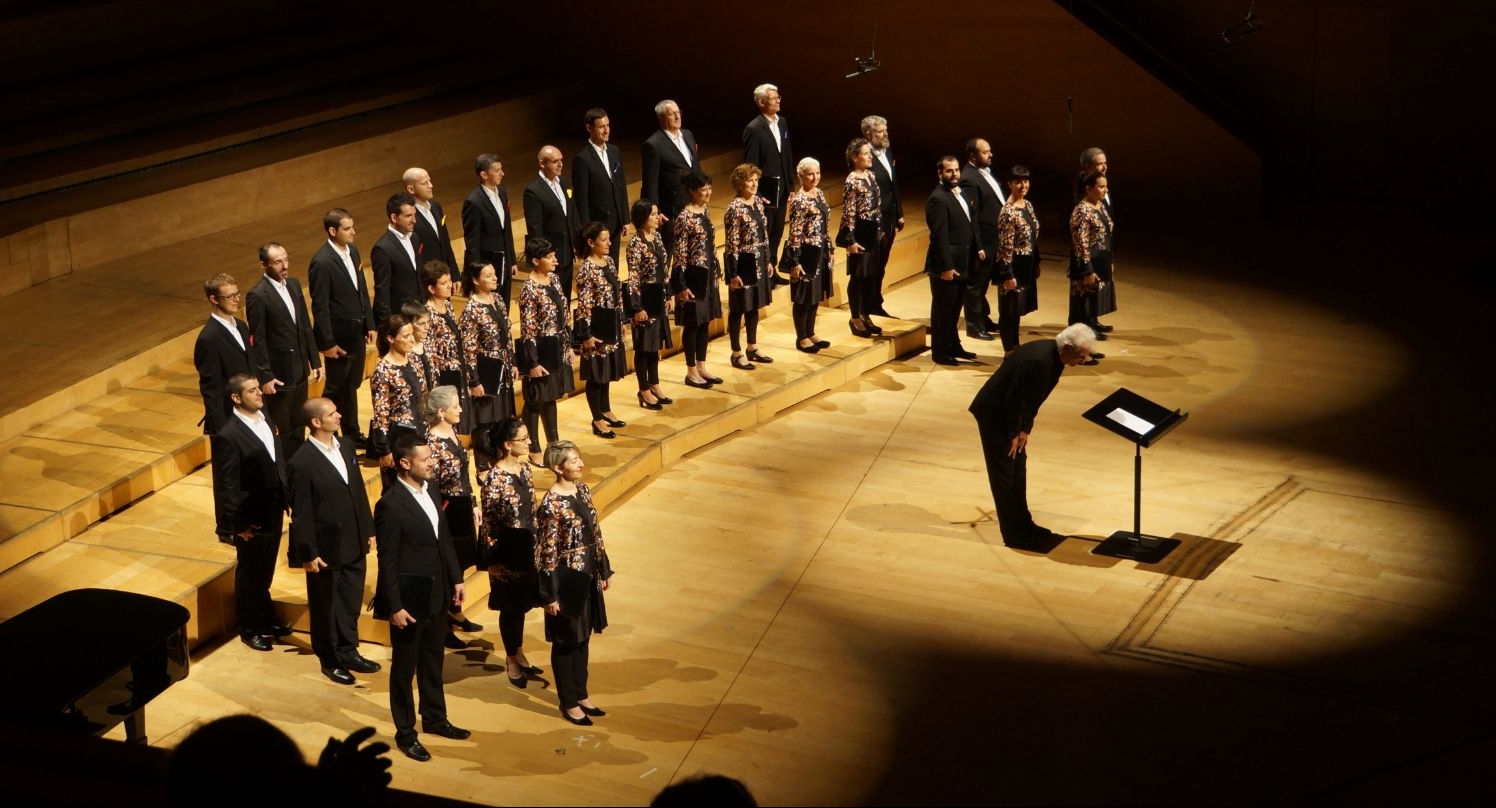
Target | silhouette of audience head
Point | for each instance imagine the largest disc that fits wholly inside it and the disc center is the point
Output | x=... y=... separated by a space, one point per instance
x=705 y=789
x=209 y=767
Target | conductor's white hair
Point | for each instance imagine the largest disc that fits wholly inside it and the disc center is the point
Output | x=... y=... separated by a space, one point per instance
x=1078 y=336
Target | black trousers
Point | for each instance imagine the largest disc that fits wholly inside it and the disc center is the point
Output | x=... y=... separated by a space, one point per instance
x=333 y=598
x=533 y=414
x=344 y=376
x=1008 y=478
x=512 y=630
x=647 y=368
x=775 y=216
x=1008 y=315
x=252 y=577
x=597 y=399
x=284 y=410
x=804 y=315
x=945 y=309
x=873 y=299
x=693 y=343
x=569 y=664
x=736 y=320
x=978 y=311
x=416 y=650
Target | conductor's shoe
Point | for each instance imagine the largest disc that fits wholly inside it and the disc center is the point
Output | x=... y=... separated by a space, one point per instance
x=447 y=730
x=339 y=675
x=257 y=641
x=362 y=665
x=280 y=631
x=977 y=333
x=943 y=360
x=415 y=751
x=965 y=354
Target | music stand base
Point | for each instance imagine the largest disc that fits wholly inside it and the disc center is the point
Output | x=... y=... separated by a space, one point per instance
x=1126 y=544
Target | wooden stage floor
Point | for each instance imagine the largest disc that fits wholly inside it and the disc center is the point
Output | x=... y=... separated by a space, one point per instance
x=821 y=605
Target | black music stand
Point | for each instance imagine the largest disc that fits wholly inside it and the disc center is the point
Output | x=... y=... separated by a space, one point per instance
x=1144 y=423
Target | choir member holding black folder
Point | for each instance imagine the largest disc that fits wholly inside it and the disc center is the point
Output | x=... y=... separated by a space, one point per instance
x=807 y=254
x=696 y=278
x=648 y=294
x=544 y=354
x=749 y=270
x=599 y=326
x=488 y=346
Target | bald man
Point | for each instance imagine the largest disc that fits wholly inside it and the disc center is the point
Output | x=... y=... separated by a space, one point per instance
x=551 y=213
x=431 y=222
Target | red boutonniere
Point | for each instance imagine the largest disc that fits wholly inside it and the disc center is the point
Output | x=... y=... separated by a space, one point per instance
x=420 y=248
x=251 y=340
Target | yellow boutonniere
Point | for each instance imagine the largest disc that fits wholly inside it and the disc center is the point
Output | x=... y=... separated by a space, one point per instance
x=568 y=193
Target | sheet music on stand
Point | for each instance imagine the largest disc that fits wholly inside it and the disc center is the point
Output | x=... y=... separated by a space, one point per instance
x=1144 y=423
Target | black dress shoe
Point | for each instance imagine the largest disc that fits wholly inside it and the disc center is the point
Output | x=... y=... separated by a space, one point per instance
x=465 y=624
x=518 y=681
x=714 y=379
x=978 y=334
x=858 y=330
x=758 y=357
x=741 y=363
x=1101 y=328
x=881 y=312
x=822 y=344
x=257 y=641
x=531 y=670
x=965 y=354
x=614 y=422
x=454 y=642
x=1100 y=337
x=664 y=399
x=609 y=435
x=1097 y=355
x=944 y=360
x=807 y=349
x=595 y=712
x=361 y=665
x=1092 y=361
x=584 y=721
x=280 y=631
x=873 y=330
x=339 y=675
x=415 y=751
x=446 y=729
x=650 y=405
x=699 y=385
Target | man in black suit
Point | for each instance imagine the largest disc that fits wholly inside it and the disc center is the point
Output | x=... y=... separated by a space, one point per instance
x=249 y=503
x=668 y=155
x=431 y=220
x=551 y=213
x=416 y=560
x=288 y=354
x=979 y=184
x=397 y=257
x=766 y=144
x=1005 y=408
x=949 y=215
x=875 y=130
x=344 y=320
x=487 y=226
x=597 y=177
x=224 y=347
x=331 y=532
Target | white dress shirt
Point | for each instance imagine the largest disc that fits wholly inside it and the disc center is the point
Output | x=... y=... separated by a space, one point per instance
x=347 y=256
x=424 y=500
x=961 y=200
x=405 y=242
x=333 y=455
x=285 y=295
x=424 y=208
x=556 y=189
x=228 y=322
x=992 y=181
x=680 y=143
x=260 y=425
x=498 y=204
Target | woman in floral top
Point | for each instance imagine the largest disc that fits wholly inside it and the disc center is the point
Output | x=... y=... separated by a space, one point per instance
x=574 y=573
x=449 y=473
x=487 y=346
x=750 y=278
x=419 y=318
x=648 y=291
x=807 y=254
x=600 y=292
x=862 y=216
x=693 y=263
x=1017 y=259
x=1090 y=257
x=444 y=342
x=507 y=537
x=395 y=389
x=543 y=355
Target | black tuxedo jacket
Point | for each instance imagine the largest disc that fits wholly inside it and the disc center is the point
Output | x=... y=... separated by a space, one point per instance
x=330 y=519
x=601 y=190
x=989 y=203
x=249 y=487
x=218 y=357
x=775 y=161
x=953 y=239
x=484 y=237
x=888 y=191
x=663 y=166
x=340 y=307
x=408 y=546
x=544 y=218
x=439 y=243
x=287 y=347
x=396 y=281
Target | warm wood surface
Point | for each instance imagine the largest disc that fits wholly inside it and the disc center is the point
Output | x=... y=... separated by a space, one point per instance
x=820 y=604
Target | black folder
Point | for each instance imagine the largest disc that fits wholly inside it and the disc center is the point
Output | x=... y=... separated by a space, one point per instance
x=548 y=350
x=769 y=188
x=747 y=267
x=452 y=378
x=652 y=297
x=605 y=325
x=490 y=373
x=697 y=279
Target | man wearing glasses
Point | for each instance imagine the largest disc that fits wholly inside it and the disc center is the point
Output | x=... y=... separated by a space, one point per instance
x=223 y=349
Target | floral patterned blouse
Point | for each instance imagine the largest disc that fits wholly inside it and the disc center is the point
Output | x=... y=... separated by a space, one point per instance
x=809 y=222
x=598 y=288
x=860 y=200
x=1017 y=233
x=695 y=245
x=485 y=331
x=1090 y=229
x=444 y=340
x=450 y=469
x=563 y=536
x=745 y=229
x=508 y=502
x=395 y=390
x=542 y=313
x=646 y=261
